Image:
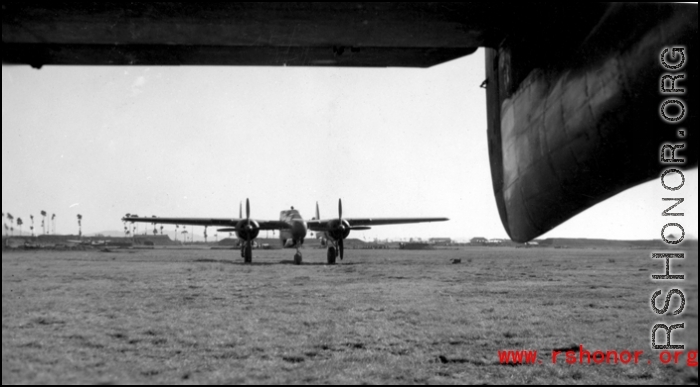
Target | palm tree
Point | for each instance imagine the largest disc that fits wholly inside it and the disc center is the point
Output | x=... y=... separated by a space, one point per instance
x=43 y=215
x=126 y=228
x=205 y=234
x=176 y=230
x=161 y=229
x=31 y=228
x=11 y=219
x=53 y=223
x=135 y=227
x=80 y=226
x=184 y=235
x=19 y=223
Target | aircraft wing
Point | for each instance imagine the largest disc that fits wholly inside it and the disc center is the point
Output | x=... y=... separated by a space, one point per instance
x=216 y=222
x=273 y=224
x=364 y=223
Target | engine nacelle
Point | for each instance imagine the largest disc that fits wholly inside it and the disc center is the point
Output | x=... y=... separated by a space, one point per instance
x=336 y=232
x=247 y=231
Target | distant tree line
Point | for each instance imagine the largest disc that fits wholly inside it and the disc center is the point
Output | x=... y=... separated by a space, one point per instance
x=47 y=227
x=133 y=230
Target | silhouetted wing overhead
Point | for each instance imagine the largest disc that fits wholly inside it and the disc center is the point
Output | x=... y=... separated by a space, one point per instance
x=323 y=225
x=217 y=222
x=248 y=33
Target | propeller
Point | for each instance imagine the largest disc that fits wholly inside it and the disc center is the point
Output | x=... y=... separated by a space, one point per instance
x=341 y=226
x=246 y=228
x=247 y=214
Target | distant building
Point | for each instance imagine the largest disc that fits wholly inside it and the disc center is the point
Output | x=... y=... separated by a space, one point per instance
x=415 y=246
x=441 y=241
x=495 y=241
x=478 y=241
x=152 y=240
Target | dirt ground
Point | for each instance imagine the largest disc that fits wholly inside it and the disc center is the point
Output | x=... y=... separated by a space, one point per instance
x=381 y=316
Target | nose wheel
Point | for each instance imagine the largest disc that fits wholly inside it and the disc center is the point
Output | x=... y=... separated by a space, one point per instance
x=297 y=256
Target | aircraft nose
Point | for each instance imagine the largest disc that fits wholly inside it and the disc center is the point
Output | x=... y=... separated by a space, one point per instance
x=299 y=229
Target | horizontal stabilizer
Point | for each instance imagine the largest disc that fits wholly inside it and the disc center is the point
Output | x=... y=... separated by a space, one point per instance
x=566 y=134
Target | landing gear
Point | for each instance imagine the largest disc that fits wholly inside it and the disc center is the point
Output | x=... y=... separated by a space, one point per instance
x=247 y=252
x=297 y=256
x=331 y=255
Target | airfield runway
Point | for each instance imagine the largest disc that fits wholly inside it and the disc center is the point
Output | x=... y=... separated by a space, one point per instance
x=391 y=316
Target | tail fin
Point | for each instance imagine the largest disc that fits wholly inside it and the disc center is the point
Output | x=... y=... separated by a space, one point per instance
x=318 y=215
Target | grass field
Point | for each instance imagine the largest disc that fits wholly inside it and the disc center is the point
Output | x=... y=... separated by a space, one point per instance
x=409 y=317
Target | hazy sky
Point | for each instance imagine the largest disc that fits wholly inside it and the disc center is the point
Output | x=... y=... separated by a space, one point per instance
x=195 y=141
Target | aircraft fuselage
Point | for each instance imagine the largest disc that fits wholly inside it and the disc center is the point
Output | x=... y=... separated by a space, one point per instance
x=295 y=234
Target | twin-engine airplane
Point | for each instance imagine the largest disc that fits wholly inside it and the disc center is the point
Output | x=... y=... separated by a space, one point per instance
x=292 y=228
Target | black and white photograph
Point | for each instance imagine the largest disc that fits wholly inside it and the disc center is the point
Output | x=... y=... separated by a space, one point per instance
x=349 y=193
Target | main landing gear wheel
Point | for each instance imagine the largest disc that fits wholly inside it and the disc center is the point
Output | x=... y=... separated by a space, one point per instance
x=331 y=255
x=248 y=253
x=297 y=259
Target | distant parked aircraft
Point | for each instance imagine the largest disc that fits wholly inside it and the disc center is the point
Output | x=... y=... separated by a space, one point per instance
x=292 y=228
